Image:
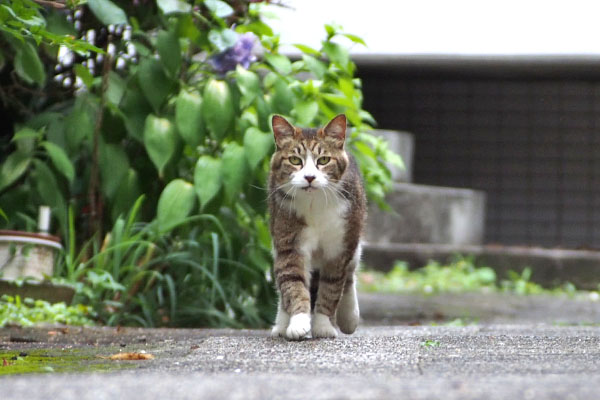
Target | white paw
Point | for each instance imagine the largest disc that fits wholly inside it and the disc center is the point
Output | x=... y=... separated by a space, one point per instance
x=299 y=326
x=322 y=327
x=277 y=331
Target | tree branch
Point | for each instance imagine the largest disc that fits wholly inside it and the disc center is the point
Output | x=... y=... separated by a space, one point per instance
x=95 y=199
x=53 y=4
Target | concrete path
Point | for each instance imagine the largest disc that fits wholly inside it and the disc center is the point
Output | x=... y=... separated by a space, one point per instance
x=398 y=362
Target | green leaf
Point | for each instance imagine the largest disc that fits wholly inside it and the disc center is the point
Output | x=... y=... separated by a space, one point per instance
x=49 y=191
x=308 y=50
x=219 y=8
x=26 y=133
x=60 y=160
x=56 y=22
x=259 y=28
x=174 y=6
x=339 y=100
x=84 y=74
x=79 y=125
x=355 y=38
x=280 y=62
x=116 y=88
x=249 y=85
x=257 y=146
x=160 y=141
x=176 y=202
x=207 y=179
x=234 y=169
x=13 y=168
x=305 y=112
x=28 y=64
x=222 y=39
x=282 y=100
x=107 y=12
x=155 y=85
x=126 y=194
x=337 y=54
x=217 y=108
x=188 y=117
x=135 y=108
x=331 y=29
x=315 y=66
x=263 y=111
x=169 y=51
x=114 y=165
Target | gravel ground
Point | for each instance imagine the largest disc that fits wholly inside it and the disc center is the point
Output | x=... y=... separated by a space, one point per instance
x=412 y=362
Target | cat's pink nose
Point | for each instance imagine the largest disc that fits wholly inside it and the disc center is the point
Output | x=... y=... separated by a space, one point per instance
x=309 y=178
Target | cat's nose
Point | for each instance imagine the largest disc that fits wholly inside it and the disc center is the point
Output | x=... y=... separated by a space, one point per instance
x=309 y=178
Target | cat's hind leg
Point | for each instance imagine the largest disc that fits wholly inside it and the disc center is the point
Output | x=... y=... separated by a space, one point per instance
x=348 y=315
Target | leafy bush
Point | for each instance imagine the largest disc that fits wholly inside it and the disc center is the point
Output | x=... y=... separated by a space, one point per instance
x=460 y=275
x=176 y=106
x=27 y=312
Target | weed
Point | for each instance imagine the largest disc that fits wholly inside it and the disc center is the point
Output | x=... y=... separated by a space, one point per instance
x=428 y=343
x=461 y=275
x=27 y=312
x=187 y=276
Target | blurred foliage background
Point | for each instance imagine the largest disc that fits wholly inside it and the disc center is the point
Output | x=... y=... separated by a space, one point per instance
x=144 y=125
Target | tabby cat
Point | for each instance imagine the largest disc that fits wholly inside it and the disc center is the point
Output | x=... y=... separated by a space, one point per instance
x=318 y=209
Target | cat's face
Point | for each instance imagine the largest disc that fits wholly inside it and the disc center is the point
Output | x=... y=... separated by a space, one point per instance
x=308 y=160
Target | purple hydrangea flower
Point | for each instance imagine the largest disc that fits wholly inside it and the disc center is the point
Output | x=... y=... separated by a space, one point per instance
x=243 y=52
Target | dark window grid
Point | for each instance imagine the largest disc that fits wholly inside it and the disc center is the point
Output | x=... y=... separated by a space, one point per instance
x=531 y=137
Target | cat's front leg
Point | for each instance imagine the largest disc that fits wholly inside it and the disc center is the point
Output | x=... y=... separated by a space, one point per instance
x=294 y=303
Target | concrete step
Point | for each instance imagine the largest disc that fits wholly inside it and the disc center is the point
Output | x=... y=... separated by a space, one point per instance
x=402 y=143
x=429 y=214
x=482 y=308
x=550 y=267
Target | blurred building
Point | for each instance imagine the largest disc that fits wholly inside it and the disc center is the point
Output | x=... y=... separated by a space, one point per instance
x=523 y=129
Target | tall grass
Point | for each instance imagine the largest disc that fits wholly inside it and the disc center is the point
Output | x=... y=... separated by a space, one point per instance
x=188 y=276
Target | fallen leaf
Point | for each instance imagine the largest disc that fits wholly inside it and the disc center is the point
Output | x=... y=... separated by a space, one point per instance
x=131 y=356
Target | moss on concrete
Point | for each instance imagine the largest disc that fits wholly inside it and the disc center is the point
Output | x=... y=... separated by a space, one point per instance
x=57 y=360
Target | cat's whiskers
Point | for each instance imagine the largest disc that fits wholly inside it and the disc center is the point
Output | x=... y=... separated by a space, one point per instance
x=338 y=191
x=259 y=187
x=277 y=189
x=290 y=192
x=293 y=197
x=324 y=189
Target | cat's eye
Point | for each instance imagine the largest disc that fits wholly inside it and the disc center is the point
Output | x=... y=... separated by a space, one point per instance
x=323 y=160
x=295 y=160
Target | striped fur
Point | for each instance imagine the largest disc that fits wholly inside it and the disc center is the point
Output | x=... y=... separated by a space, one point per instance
x=318 y=209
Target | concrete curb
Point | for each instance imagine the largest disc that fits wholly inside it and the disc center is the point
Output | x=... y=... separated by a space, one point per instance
x=488 y=308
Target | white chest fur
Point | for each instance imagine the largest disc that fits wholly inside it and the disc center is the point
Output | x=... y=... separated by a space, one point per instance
x=325 y=223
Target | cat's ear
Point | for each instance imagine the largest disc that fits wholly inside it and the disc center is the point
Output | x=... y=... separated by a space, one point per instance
x=282 y=129
x=336 y=129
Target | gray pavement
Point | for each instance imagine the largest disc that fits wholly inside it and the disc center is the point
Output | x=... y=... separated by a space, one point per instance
x=535 y=361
